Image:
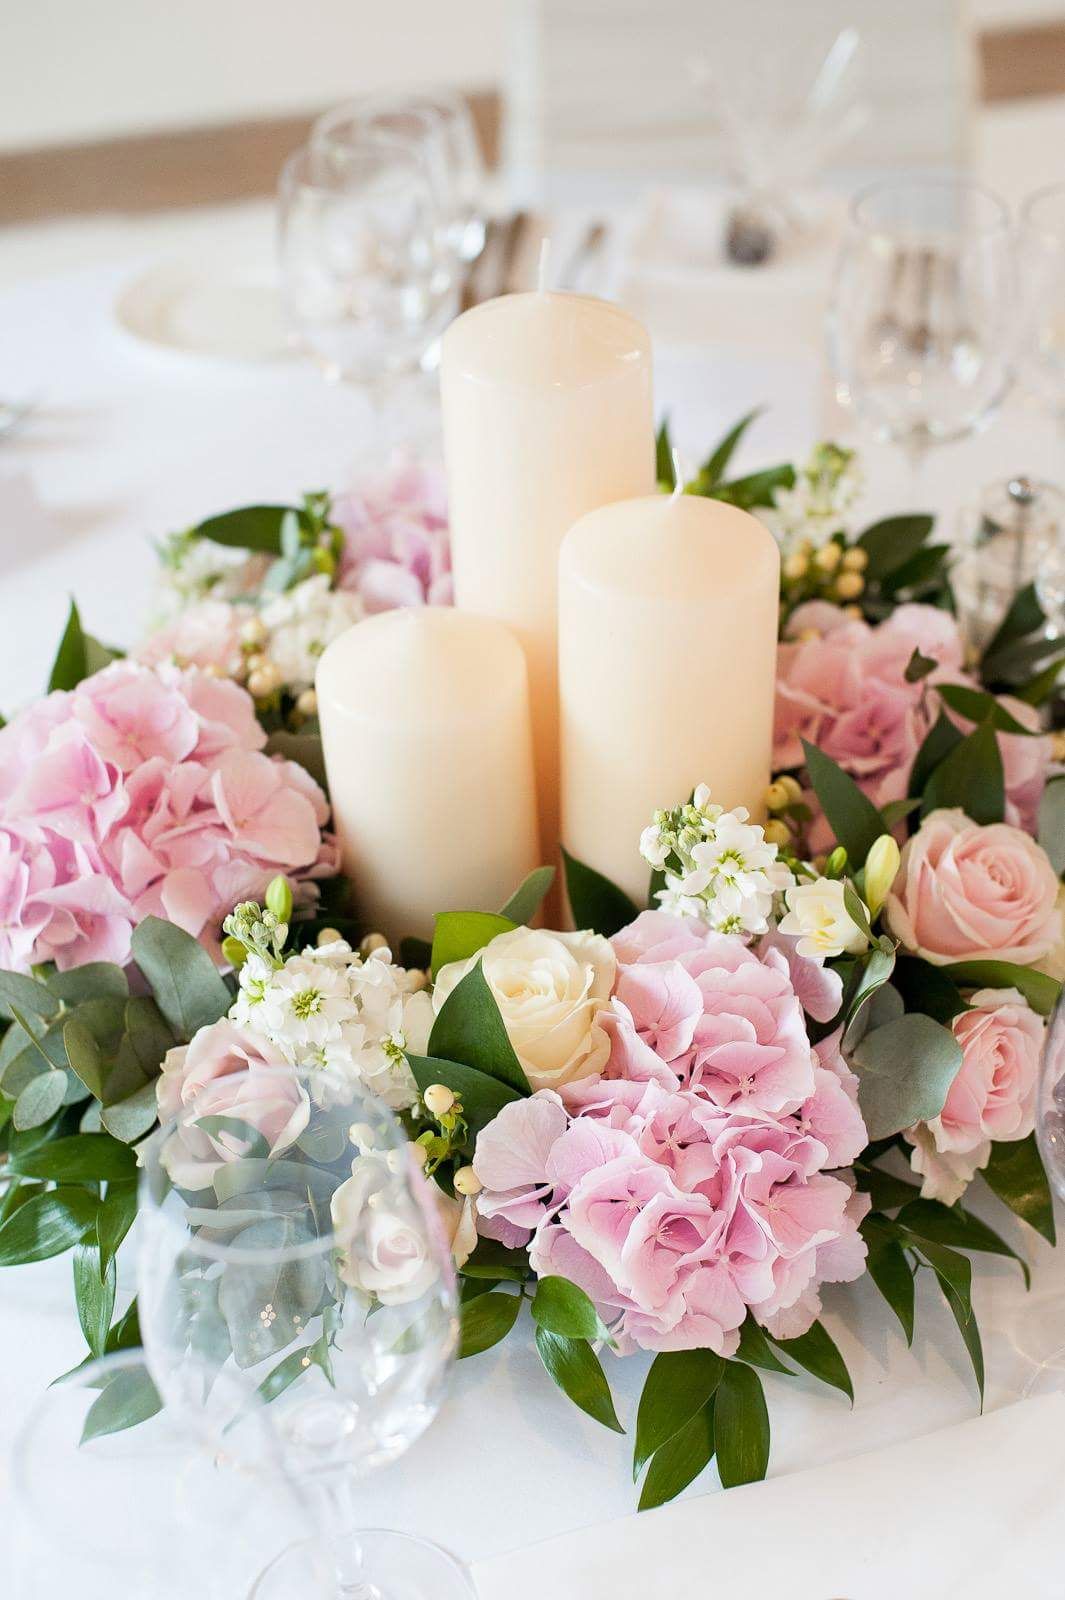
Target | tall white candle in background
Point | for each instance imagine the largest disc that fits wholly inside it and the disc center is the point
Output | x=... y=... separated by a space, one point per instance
x=425 y=729
x=667 y=663
x=547 y=414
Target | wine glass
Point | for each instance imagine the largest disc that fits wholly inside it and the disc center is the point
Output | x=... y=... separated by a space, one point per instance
x=920 y=321
x=1044 y=1337
x=116 y=1493
x=439 y=124
x=1041 y=264
x=366 y=280
x=288 y=1235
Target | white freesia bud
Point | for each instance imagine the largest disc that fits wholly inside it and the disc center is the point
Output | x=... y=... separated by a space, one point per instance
x=438 y=1099
x=818 y=917
x=466 y=1181
x=881 y=870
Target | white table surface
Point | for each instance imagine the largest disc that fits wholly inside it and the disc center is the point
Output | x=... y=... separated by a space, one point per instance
x=132 y=442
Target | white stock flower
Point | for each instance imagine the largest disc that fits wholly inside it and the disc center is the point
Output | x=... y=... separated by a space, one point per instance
x=301 y=622
x=718 y=865
x=820 y=503
x=550 y=989
x=818 y=917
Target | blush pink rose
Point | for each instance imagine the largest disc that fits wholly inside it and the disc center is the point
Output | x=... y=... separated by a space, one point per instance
x=966 y=892
x=226 y=1071
x=992 y=1097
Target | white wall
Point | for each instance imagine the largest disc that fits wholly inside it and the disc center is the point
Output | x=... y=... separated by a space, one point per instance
x=85 y=69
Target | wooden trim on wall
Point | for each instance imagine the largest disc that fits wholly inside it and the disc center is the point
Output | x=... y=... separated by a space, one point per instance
x=163 y=171
x=1020 y=62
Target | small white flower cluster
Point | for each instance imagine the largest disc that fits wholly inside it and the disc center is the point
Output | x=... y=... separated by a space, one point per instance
x=300 y=623
x=717 y=864
x=328 y=1007
x=820 y=503
x=193 y=569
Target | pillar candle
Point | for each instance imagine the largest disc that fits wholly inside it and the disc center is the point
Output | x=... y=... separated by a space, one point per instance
x=425 y=730
x=546 y=413
x=667 y=661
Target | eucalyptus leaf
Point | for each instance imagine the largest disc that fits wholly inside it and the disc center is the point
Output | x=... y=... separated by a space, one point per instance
x=84 y=1055
x=188 y=989
x=94 y=981
x=27 y=995
x=904 y=1073
x=680 y=1460
x=577 y=1370
x=595 y=902
x=129 y=1119
x=487 y=1320
x=741 y=1426
x=469 y=1030
x=1052 y=824
x=40 y=1100
x=677 y=1386
x=528 y=896
x=290 y=1285
x=149 y=1034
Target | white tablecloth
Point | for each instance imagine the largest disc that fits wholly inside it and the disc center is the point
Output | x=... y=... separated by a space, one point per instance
x=132 y=442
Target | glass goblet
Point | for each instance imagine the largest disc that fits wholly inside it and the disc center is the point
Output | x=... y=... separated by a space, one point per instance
x=288 y=1234
x=1041 y=1336
x=1041 y=271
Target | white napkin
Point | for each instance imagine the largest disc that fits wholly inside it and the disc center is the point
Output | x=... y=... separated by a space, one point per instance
x=973 y=1512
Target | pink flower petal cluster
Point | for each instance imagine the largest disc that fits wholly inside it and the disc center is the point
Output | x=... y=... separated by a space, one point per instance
x=841 y=684
x=207 y=634
x=693 y=1181
x=144 y=792
x=396 y=550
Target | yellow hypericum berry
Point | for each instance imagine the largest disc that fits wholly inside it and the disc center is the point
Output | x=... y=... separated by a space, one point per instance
x=828 y=557
x=855 y=559
x=372 y=943
x=853 y=611
x=792 y=786
x=438 y=1099
x=777 y=797
x=466 y=1181
x=307 y=703
x=328 y=936
x=253 y=634
x=807 y=635
x=796 y=566
x=777 y=833
x=264 y=681
x=849 y=585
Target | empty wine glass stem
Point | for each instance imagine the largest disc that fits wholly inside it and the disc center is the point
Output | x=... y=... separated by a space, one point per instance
x=336 y=1509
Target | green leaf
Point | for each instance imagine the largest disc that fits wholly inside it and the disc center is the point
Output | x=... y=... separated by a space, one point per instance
x=715 y=466
x=78 y=1158
x=258 y=1145
x=127 y=1398
x=493 y=1260
x=890 y=1270
x=527 y=897
x=469 y=1030
x=40 y=1100
x=1025 y=616
x=926 y=988
x=1052 y=824
x=891 y=543
x=950 y=1225
x=817 y=1352
x=577 y=1370
x=69 y=668
x=943 y=737
x=856 y=910
x=680 y=1460
x=18 y=992
x=595 y=902
x=1016 y=1174
x=262 y=1273
x=248 y=528
x=757 y=489
x=923 y=573
x=293 y=1366
x=896 y=811
x=884 y=1189
x=188 y=990
x=904 y=1072
x=976 y=706
x=149 y=1035
x=664 y=473
x=971 y=777
x=741 y=1426
x=677 y=1387
x=853 y=818
x=96 y=980
x=970 y=1332
x=94 y=1295
x=1040 y=990
x=486 y=1320
x=115 y=1218
x=755 y=1348
x=560 y=1307
x=919 y=666
x=130 y=1118
x=46 y=1226
x=1040 y=688
x=483 y=1098
x=953 y=1270
x=84 y=1055
x=871 y=974
x=460 y=934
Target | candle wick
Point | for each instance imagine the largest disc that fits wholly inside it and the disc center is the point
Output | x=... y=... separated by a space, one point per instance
x=541 y=270
x=678 y=474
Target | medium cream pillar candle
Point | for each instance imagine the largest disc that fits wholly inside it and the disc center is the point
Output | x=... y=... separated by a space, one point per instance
x=547 y=414
x=425 y=729
x=667 y=663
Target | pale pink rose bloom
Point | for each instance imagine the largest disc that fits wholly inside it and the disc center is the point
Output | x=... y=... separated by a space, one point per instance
x=204 y=635
x=226 y=1071
x=966 y=892
x=991 y=1099
x=131 y=715
x=816 y=616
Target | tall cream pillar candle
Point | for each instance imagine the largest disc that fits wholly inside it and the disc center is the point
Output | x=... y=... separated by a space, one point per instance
x=547 y=414
x=425 y=729
x=667 y=662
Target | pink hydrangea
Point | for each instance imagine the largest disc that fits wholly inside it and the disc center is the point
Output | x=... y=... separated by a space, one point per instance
x=841 y=684
x=206 y=635
x=396 y=550
x=144 y=792
x=695 y=1179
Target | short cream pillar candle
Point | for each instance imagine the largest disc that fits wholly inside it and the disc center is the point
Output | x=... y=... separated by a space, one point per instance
x=667 y=665
x=547 y=413
x=425 y=730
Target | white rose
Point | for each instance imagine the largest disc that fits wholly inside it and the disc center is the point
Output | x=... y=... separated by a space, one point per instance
x=383 y=1244
x=550 y=989
x=818 y=917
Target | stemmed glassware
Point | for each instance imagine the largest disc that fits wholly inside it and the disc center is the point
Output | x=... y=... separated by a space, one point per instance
x=920 y=329
x=1042 y=1339
x=288 y=1236
x=1041 y=263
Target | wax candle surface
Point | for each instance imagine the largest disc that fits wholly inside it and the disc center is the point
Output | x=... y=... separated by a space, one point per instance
x=547 y=414
x=667 y=657
x=425 y=728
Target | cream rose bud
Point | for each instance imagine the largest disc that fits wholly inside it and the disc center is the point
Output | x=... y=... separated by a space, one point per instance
x=818 y=917
x=966 y=892
x=550 y=989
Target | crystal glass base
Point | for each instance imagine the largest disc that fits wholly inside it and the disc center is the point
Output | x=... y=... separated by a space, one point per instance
x=374 y=1564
